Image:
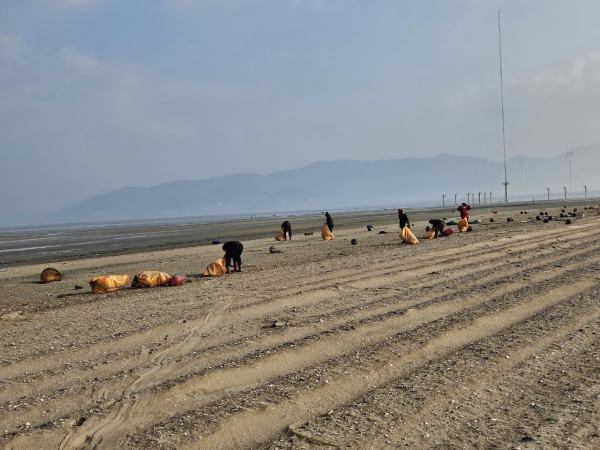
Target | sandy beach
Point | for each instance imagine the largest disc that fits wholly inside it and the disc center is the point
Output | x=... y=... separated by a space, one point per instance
x=486 y=339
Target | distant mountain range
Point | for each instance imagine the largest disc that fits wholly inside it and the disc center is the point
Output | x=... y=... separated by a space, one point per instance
x=341 y=184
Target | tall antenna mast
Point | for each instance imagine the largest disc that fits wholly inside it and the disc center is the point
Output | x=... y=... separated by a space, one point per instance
x=570 y=172
x=502 y=97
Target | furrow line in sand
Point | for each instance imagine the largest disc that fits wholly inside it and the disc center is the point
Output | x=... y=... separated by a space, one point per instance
x=214 y=359
x=448 y=379
x=239 y=430
x=189 y=395
x=349 y=313
x=477 y=251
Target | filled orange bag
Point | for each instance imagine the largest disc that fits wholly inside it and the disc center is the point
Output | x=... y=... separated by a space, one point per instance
x=326 y=234
x=150 y=278
x=216 y=268
x=108 y=283
x=429 y=234
x=407 y=236
x=463 y=224
x=280 y=236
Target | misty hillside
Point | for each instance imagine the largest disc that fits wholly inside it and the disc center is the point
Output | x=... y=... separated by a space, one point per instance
x=337 y=184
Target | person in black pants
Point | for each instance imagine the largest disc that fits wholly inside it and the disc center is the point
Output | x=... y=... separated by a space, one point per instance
x=233 y=250
x=287 y=229
x=329 y=222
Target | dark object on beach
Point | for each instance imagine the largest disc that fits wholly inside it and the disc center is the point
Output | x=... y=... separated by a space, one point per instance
x=309 y=234
x=550 y=217
x=447 y=232
x=427 y=228
x=273 y=249
x=443 y=218
x=215 y=242
x=546 y=220
x=492 y=219
x=510 y=219
x=177 y=280
x=369 y=227
x=469 y=229
x=568 y=222
x=49 y=275
x=561 y=215
x=452 y=222
x=574 y=209
x=383 y=232
x=78 y=287
x=354 y=242
x=546 y=213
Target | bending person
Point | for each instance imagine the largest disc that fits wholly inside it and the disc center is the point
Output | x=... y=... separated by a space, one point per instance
x=286 y=228
x=437 y=225
x=233 y=251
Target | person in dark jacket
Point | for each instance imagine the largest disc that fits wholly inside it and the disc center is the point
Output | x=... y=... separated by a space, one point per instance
x=329 y=222
x=287 y=229
x=233 y=251
x=464 y=211
x=438 y=226
x=403 y=218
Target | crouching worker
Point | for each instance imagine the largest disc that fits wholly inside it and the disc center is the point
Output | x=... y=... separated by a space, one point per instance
x=233 y=250
x=286 y=228
x=437 y=225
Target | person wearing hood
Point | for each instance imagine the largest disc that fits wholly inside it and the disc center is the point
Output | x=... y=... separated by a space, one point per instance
x=329 y=222
x=464 y=211
x=403 y=218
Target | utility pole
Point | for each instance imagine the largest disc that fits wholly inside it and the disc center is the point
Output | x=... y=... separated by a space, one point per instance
x=565 y=188
x=502 y=98
x=444 y=200
x=485 y=197
x=585 y=190
x=479 y=197
x=455 y=202
x=491 y=197
x=468 y=197
x=548 y=189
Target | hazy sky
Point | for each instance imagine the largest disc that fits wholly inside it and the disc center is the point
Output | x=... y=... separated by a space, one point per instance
x=100 y=94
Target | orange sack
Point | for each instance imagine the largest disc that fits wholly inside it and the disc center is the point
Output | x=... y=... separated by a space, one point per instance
x=407 y=236
x=216 y=268
x=108 y=283
x=463 y=225
x=429 y=234
x=326 y=234
x=150 y=278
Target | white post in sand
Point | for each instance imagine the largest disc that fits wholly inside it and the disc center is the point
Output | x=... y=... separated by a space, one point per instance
x=491 y=198
x=585 y=190
x=455 y=196
x=548 y=189
x=565 y=189
x=444 y=200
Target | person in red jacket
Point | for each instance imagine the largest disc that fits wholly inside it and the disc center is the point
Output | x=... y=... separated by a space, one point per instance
x=464 y=211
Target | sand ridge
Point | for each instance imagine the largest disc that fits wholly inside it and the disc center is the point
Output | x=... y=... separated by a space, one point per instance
x=378 y=345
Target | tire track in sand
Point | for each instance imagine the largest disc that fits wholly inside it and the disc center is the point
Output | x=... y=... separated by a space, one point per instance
x=137 y=398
